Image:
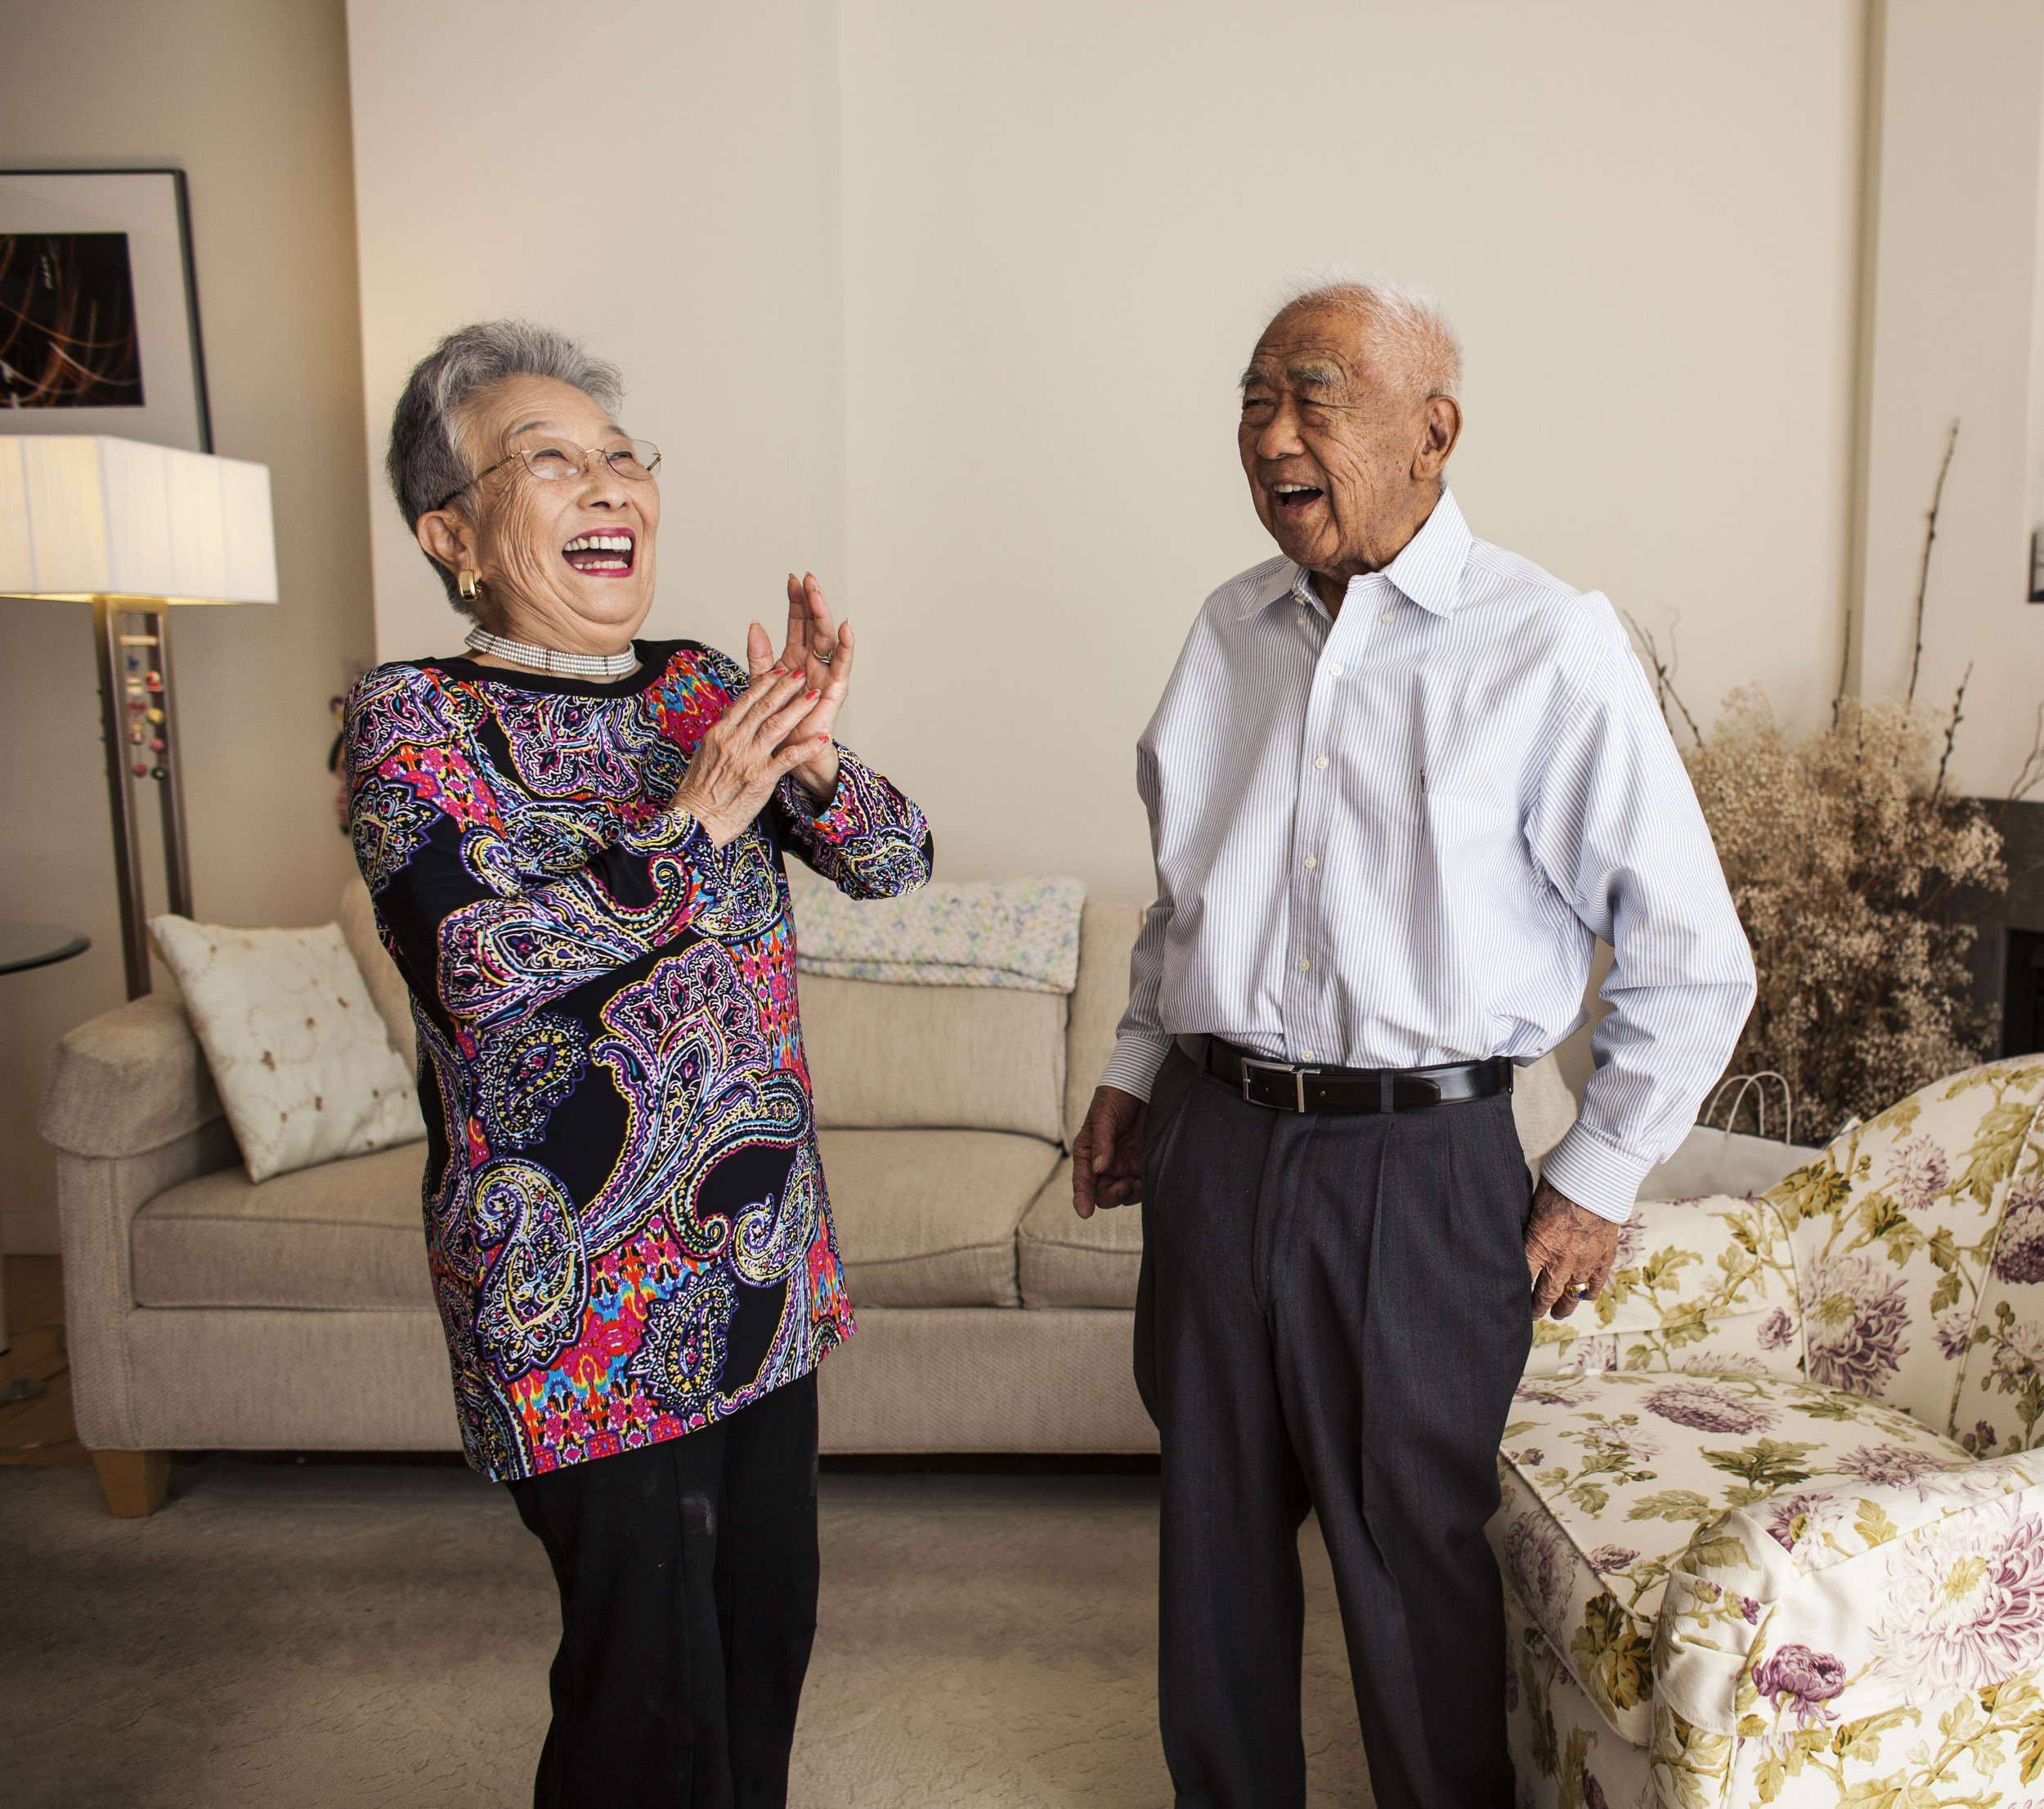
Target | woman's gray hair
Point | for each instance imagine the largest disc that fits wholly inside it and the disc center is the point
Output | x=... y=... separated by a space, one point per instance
x=427 y=463
x=1407 y=333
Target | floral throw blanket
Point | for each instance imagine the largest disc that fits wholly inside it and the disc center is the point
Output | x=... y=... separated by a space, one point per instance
x=1021 y=934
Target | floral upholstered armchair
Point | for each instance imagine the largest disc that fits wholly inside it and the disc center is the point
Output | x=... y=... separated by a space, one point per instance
x=1773 y=1527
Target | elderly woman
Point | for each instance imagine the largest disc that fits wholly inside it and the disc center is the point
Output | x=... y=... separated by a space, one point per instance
x=575 y=845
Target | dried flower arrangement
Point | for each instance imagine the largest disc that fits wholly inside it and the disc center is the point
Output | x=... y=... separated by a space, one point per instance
x=1843 y=851
x=1840 y=852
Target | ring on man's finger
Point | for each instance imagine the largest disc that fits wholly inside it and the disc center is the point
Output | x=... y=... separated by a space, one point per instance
x=1580 y=1291
x=825 y=659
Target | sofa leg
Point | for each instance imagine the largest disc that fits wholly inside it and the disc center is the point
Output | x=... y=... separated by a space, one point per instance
x=133 y=1482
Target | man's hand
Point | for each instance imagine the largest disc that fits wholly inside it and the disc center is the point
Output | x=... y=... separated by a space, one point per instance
x=1567 y=1246
x=1107 y=1156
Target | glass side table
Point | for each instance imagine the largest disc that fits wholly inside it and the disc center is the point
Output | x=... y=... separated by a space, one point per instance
x=23 y=946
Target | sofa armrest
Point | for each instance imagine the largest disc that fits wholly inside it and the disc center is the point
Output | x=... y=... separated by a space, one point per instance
x=130 y=1108
x=1848 y=1621
x=1703 y=1284
x=127 y=1081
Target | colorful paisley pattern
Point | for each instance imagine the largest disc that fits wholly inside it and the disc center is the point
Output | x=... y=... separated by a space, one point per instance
x=626 y=1221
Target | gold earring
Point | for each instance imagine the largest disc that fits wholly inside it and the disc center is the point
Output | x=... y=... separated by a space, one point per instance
x=469 y=583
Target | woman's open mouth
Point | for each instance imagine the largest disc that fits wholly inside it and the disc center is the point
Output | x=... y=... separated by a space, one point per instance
x=608 y=555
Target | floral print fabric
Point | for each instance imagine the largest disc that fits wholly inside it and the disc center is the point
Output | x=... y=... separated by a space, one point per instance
x=1608 y=1480
x=626 y=1223
x=1895 y=1231
x=1805 y=1661
x=1775 y=1588
x=1563 y=1751
x=1707 y=1286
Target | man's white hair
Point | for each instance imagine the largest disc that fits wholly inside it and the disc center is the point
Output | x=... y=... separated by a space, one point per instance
x=1406 y=334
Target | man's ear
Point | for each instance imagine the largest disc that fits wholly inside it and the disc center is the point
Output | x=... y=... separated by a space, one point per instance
x=445 y=537
x=1441 y=428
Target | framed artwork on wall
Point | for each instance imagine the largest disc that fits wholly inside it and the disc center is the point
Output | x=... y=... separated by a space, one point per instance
x=99 y=315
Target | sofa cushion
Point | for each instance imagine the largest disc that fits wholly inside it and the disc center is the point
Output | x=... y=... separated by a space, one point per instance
x=1543 y=1108
x=1067 y=1261
x=386 y=984
x=346 y=1234
x=884 y=1057
x=1606 y=1477
x=927 y=1218
x=1107 y=933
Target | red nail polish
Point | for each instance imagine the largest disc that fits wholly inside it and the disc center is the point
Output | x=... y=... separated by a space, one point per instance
x=814 y=694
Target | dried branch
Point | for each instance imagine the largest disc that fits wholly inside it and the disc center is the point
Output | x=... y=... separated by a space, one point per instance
x=1844 y=665
x=2031 y=774
x=1664 y=691
x=1923 y=577
x=1950 y=733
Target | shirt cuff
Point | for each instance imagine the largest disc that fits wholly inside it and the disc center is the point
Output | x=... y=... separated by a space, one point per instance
x=1134 y=1064
x=838 y=819
x=1594 y=1175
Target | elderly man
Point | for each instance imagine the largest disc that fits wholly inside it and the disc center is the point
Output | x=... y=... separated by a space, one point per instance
x=1399 y=783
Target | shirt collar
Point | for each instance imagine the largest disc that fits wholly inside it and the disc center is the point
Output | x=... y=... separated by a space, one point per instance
x=1428 y=569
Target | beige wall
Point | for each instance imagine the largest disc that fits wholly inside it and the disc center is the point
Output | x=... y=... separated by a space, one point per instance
x=1063 y=224
x=1060 y=225
x=679 y=216
x=1953 y=323
x=948 y=302
x=250 y=98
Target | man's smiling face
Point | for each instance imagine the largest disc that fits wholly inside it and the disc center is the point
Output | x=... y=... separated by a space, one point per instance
x=1340 y=460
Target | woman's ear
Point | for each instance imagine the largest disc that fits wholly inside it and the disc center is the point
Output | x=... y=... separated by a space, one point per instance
x=447 y=539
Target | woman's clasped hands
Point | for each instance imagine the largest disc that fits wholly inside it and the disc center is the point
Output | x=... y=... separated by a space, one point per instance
x=780 y=724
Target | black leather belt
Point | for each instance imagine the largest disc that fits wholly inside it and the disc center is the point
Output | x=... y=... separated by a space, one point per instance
x=1283 y=1088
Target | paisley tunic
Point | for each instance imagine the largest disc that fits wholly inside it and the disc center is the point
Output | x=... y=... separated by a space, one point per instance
x=626 y=1221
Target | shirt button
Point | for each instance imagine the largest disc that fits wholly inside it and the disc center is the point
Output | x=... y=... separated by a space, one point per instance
x=1334 y=671
x=1386 y=616
x=1312 y=861
x=1305 y=966
x=1307 y=1055
x=1321 y=763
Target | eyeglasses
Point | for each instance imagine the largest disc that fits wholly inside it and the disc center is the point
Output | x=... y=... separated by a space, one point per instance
x=636 y=460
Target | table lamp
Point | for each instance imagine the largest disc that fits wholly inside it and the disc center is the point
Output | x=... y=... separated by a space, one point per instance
x=132 y=529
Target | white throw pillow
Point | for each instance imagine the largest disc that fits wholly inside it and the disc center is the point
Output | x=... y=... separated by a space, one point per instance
x=1542 y=1107
x=298 y=1050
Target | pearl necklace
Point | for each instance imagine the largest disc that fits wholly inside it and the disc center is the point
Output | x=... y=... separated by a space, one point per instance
x=589 y=666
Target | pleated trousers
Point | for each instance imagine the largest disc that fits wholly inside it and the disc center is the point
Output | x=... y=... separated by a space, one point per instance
x=1333 y=1315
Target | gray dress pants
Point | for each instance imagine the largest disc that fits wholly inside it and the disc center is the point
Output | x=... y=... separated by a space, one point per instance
x=1333 y=1313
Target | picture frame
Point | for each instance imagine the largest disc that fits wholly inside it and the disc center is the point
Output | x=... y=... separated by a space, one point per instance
x=99 y=309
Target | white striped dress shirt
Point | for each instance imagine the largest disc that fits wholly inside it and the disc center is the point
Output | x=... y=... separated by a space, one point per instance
x=1391 y=840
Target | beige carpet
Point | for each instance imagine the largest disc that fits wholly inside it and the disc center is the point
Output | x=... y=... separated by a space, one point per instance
x=350 y=1636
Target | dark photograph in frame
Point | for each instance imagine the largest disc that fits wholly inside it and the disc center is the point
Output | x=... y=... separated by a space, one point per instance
x=67 y=321
x=99 y=320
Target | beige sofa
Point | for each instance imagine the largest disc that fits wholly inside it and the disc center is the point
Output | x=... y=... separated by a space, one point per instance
x=205 y=1312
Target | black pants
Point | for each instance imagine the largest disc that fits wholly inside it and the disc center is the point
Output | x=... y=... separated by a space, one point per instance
x=687 y=1575
x=1333 y=1314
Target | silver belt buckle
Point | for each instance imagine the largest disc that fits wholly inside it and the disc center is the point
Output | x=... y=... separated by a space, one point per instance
x=1298 y=1078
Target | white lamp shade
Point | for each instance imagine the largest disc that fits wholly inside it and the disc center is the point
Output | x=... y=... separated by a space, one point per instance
x=92 y=516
